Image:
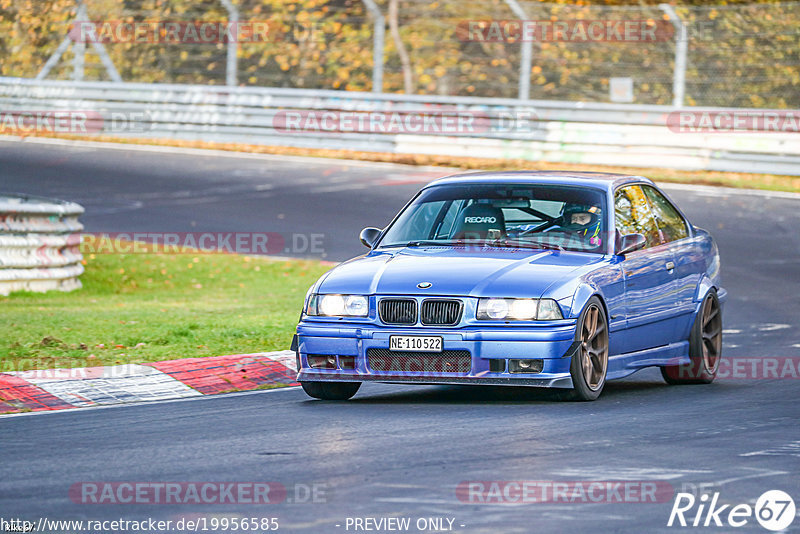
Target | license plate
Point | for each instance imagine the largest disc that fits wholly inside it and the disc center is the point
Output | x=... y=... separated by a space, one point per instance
x=415 y=343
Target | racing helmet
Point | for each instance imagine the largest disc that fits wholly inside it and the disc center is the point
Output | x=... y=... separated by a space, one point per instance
x=571 y=209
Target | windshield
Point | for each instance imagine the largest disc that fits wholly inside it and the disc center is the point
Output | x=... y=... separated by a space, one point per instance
x=514 y=215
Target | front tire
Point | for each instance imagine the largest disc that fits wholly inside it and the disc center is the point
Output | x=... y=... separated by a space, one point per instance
x=589 y=364
x=705 y=347
x=331 y=390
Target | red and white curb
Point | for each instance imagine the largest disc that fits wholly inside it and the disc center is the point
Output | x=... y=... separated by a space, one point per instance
x=59 y=389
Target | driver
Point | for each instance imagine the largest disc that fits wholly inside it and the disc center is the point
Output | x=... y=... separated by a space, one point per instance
x=582 y=221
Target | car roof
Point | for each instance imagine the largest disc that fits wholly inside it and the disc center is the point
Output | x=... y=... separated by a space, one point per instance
x=597 y=180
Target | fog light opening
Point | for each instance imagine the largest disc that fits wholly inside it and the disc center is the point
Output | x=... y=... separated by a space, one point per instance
x=347 y=362
x=525 y=366
x=321 y=361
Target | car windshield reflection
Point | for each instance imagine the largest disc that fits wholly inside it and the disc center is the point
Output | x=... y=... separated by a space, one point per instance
x=511 y=215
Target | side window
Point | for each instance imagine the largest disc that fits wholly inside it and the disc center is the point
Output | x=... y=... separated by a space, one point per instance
x=672 y=225
x=632 y=215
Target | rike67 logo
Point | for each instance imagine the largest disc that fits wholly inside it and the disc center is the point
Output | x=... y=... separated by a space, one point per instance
x=774 y=510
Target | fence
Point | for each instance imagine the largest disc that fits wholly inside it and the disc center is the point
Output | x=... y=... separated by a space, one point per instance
x=575 y=132
x=735 y=55
x=39 y=244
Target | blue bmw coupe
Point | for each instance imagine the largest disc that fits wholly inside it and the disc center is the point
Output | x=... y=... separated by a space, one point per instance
x=552 y=279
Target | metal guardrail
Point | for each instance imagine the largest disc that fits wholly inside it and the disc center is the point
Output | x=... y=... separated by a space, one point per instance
x=574 y=132
x=39 y=244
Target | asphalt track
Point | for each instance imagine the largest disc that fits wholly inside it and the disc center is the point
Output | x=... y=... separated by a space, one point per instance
x=402 y=451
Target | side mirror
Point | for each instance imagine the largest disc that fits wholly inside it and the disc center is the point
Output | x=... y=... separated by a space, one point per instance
x=631 y=243
x=369 y=236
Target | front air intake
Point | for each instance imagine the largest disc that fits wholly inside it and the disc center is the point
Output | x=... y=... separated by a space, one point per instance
x=447 y=361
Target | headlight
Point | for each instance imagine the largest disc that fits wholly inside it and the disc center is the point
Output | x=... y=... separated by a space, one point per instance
x=549 y=310
x=338 y=305
x=493 y=309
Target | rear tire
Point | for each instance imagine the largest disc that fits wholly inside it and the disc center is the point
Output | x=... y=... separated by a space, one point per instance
x=589 y=364
x=705 y=347
x=331 y=390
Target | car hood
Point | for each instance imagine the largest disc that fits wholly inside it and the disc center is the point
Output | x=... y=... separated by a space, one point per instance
x=455 y=272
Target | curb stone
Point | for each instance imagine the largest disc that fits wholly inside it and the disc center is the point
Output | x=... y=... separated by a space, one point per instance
x=60 y=389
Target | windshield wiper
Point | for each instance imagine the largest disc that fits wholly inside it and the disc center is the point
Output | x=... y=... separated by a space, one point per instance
x=532 y=244
x=503 y=242
x=433 y=243
x=422 y=244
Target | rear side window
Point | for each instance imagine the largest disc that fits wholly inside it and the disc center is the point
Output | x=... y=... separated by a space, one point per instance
x=632 y=215
x=672 y=225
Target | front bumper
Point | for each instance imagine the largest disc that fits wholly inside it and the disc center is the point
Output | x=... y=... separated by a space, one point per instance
x=553 y=344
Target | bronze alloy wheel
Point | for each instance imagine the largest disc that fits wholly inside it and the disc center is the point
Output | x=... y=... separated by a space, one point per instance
x=589 y=363
x=712 y=334
x=705 y=347
x=594 y=347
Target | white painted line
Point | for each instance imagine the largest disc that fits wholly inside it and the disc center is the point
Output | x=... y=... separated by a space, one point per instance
x=630 y=473
x=444 y=171
x=224 y=153
x=415 y=500
x=771 y=327
x=761 y=474
x=149 y=402
x=789 y=449
x=338 y=188
x=441 y=171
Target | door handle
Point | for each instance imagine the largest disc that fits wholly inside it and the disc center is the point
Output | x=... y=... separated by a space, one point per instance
x=670 y=265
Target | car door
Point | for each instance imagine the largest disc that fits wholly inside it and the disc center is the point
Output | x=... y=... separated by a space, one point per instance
x=650 y=296
x=689 y=259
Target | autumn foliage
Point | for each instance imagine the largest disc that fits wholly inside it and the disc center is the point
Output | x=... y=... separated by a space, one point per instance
x=745 y=55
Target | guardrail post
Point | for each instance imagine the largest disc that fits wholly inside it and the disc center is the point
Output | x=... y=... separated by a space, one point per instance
x=80 y=53
x=681 y=46
x=53 y=60
x=378 y=45
x=526 y=50
x=79 y=48
x=233 y=45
